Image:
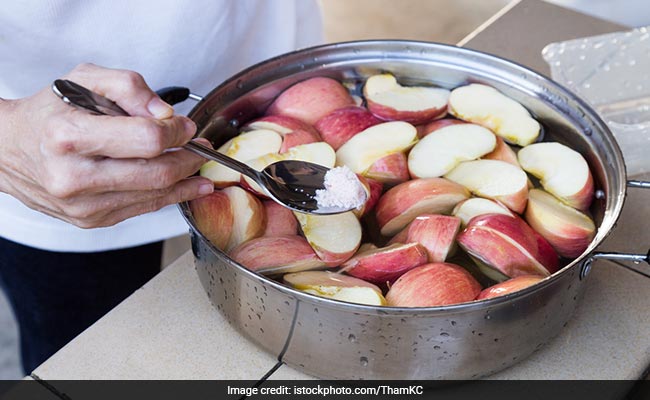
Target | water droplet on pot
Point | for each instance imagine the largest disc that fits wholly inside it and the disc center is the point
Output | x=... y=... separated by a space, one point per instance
x=363 y=361
x=233 y=123
x=352 y=338
x=488 y=316
x=444 y=334
x=599 y=194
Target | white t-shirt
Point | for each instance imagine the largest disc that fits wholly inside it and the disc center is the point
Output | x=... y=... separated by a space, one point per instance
x=191 y=43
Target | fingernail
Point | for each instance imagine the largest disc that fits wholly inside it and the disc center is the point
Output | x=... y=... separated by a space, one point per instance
x=190 y=127
x=159 y=108
x=206 y=188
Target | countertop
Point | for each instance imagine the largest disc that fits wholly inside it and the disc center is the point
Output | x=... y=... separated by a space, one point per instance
x=169 y=330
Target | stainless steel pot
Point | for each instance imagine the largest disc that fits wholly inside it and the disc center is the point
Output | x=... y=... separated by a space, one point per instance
x=332 y=339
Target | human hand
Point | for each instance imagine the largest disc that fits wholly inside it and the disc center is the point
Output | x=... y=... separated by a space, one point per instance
x=95 y=170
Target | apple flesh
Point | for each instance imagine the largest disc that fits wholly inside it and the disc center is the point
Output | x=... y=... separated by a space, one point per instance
x=424 y=130
x=280 y=221
x=336 y=286
x=272 y=255
x=249 y=216
x=435 y=232
x=214 y=218
x=390 y=170
x=280 y=124
x=470 y=208
x=335 y=238
x=486 y=106
x=509 y=286
x=340 y=125
x=403 y=203
x=507 y=245
x=432 y=285
x=502 y=152
x=296 y=138
x=443 y=149
x=496 y=180
x=563 y=172
x=568 y=230
x=374 y=143
x=390 y=101
x=311 y=100
x=385 y=264
x=373 y=190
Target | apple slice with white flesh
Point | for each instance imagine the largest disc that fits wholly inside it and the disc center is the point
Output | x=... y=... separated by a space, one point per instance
x=340 y=125
x=390 y=170
x=311 y=99
x=505 y=246
x=336 y=286
x=443 y=149
x=214 y=217
x=335 y=238
x=470 y=208
x=378 y=141
x=279 y=123
x=280 y=220
x=509 y=286
x=272 y=255
x=373 y=190
x=435 y=232
x=403 y=203
x=296 y=138
x=244 y=147
x=249 y=216
x=385 y=264
x=424 y=130
x=486 y=106
x=493 y=179
x=568 y=230
x=562 y=171
x=390 y=101
x=432 y=285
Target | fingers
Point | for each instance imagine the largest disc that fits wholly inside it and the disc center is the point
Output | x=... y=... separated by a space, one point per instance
x=127 y=88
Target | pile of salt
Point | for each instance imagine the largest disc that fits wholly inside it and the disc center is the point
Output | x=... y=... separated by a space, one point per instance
x=342 y=190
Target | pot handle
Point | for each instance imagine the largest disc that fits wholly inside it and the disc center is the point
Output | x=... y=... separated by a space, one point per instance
x=177 y=94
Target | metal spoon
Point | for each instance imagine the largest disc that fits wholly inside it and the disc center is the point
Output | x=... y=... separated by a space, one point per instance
x=291 y=183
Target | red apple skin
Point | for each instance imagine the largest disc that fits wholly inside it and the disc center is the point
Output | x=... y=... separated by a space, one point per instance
x=390 y=170
x=414 y=117
x=385 y=264
x=281 y=124
x=280 y=221
x=277 y=254
x=435 y=232
x=311 y=100
x=408 y=196
x=582 y=199
x=510 y=286
x=340 y=125
x=432 y=285
x=424 y=130
x=374 y=189
x=298 y=137
x=485 y=239
x=214 y=217
x=503 y=152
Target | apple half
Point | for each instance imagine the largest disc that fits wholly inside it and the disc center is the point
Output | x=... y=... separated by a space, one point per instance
x=272 y=255
x=385 y=264
x=470 y=208
x=435 y=232
x=280 y=221
x=503 y=152
x=424 y=130
x=562 y=171
x=335 y=238
x=279 y=123
x=443 y=149
x=486 y=106
x=509 y=286
x=373 y=190
x=340 y=125
x=390 y=170
x=336 y=286
x=568 y=230
x=249 y=216
x=390 y=101
x=432 y=285
x=214 y=218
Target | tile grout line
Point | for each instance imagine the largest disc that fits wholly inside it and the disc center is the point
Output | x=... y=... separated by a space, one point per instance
x=49 y=387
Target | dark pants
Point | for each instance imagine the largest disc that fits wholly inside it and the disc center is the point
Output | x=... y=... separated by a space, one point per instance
x=55 y=296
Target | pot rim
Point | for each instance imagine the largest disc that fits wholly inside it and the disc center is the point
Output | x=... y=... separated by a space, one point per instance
x=603 y=231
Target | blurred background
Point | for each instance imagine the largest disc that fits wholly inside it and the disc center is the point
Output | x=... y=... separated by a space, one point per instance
x=446 y=21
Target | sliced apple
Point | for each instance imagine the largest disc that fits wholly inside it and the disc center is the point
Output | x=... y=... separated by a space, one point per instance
x=244 y=147
x=502 y=152
x=403 y=203
x=214 y=218
x=390 y=101
x=496 y=180
x=373 y=190
x=336 y=286
x=470 y=208
x=296 y=138
x=385 y=264
x=568 y=230
x=486 y=106
x=274 y=255
x=390 y=170
x=340 y=125
x=509 y=286
x=335 y=238
x=249 y=216
x=507 y=245
x=279 y=123
x=435 y=232
x=311 y=100
x=280 y=220
x=443 y=149
x=563 y=172
x=424 y=130
x=432 y=285
x=376 y=142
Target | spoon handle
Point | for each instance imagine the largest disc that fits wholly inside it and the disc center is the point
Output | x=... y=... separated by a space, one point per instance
x=229 y=162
